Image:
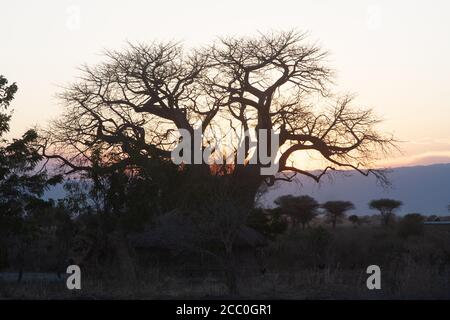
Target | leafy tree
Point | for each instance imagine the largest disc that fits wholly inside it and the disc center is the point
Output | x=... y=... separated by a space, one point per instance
x=301 y=209
x=335 y=210
x=20 y=184
x=354 y=219
x=386 y=207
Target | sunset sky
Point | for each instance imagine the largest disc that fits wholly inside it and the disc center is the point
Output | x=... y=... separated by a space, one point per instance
x=392 y=54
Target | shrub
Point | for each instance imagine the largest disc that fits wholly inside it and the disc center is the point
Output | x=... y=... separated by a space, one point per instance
x=411 y=225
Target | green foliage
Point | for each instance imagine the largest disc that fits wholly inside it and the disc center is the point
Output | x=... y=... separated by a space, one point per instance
x=19 y=182
x=7 y=93
x=21 y=185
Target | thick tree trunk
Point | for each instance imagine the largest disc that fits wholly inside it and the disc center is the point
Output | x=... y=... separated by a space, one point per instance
x=246 y=182
x=386 y=218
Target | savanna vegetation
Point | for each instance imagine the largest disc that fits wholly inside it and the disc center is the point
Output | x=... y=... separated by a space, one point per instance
x=141 y=226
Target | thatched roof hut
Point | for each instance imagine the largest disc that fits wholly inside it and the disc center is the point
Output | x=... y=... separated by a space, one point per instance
x=175 y=230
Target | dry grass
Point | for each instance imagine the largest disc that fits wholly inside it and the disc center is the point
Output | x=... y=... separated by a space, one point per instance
x=309 y=264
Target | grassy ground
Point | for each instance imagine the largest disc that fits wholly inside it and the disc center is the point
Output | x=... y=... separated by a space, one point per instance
x=305 y=264
x=412 y=283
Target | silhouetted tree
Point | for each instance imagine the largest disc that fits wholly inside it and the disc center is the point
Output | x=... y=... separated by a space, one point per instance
x=128 y=109
x=335 y=210
x=354 y=219
x=21 y=184
x=123 y=120
x=301 y=209
x=386 y=207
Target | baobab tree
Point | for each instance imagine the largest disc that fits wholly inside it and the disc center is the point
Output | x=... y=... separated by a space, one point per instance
x=128 y=110
x=22 y=182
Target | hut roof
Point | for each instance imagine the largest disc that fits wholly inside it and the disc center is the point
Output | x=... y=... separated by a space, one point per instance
x=174 y=229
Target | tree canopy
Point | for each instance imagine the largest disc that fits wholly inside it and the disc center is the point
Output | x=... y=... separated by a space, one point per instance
x=301 y=209
x=128 y=109
x=21 y=183
x=386 y=207
x=335 y=210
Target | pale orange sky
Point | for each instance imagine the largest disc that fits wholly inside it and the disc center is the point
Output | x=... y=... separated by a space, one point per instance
x=392 y=54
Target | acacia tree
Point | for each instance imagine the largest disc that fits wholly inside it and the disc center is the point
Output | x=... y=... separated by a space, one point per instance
x=386 y=207
x=335 y=210
x=129 y=109
x=301 y=209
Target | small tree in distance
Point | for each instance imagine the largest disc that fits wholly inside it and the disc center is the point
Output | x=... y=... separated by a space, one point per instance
x=354 y=219
x=386 y=207
x=301 y=209
x=335 y=210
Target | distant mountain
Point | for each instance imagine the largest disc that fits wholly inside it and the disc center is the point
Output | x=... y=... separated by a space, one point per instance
x=423 y=189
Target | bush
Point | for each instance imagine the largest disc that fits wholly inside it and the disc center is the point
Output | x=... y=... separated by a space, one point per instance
x=411 y=225
x=270 y=223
